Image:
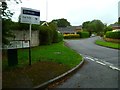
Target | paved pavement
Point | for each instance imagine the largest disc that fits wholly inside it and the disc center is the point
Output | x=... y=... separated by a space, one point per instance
x=100 y=69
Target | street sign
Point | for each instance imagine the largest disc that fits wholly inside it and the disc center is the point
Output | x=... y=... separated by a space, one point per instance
x=30 y=16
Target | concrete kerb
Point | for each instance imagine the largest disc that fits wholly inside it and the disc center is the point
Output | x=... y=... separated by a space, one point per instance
x=59 y=77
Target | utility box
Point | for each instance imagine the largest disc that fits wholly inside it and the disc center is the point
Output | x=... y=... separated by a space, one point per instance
x=12 y=57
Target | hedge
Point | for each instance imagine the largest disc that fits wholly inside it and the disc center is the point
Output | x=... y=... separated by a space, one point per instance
x=45 y=35
x=60 y=37
x=48 y=35
x=71 y=36
x=23 y=26
x=57 y=37
x=114 y=35
x=83 y=34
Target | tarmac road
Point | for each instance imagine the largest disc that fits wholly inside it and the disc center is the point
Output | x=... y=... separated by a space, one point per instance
x=100 y=69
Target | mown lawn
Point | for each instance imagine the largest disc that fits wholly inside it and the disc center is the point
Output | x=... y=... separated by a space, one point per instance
x=108 y=44
x=47 y=62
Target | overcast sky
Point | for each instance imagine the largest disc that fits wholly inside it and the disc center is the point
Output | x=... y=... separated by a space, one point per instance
x=75 y=11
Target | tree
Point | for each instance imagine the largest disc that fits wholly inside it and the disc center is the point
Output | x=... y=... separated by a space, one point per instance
x=98 y=26
x=6 y=31
x=93 y=26
x=107 y=28
x=118 y=21
x=61 y=22
x=53 y=27
x=6 y=20
x=85 y=25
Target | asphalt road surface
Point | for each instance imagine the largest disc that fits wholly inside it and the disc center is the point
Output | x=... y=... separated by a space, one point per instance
x=101 y=68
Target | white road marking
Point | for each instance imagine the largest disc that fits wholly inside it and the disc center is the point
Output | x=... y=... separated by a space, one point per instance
x=100 y=63
x=90 y=58
x=95 y=58
x=114 y=68
x=87 y=57
x=108 y=63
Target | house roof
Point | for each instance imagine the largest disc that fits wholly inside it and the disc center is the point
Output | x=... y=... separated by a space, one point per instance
x=115 y=25
x=69 y=29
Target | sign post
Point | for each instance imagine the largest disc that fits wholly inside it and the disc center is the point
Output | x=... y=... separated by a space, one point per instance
x=30 y=16
x=30 y=31
x=30 y=46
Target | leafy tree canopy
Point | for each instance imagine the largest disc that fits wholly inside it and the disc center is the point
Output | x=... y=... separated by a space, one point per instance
x=93 y=26
x=61 y=22
x=6 y=21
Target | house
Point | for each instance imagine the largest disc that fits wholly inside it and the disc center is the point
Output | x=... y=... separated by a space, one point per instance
x=69 y=29
x=115 y=26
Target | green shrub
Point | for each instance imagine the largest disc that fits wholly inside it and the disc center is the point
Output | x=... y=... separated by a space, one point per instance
x=83 y=34
x=55 y=36
x=23 y=26
x=60 y=37
x=15 y=26
x=100 y=34
x=114 y=35
x=48 y=35
x=35 y=27
x=45 y=35
x=107 y=28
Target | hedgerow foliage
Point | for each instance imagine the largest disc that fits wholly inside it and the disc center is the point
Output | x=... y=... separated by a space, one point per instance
x=49 y=35
x=71 y=36
x=83 y=34
x=114 y=35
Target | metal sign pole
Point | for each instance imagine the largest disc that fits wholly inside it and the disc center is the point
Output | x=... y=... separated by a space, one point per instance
x=30 y=46
x=30 y=32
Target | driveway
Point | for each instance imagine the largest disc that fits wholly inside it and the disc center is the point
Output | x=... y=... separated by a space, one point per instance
x=100 y=69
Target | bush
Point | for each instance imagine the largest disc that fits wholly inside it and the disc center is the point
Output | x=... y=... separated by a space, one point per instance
x=45 y=35
x=23 y=26
x=71 y=36
x=60 y=37
x=35 y=27
x=107 y=28
x=15 y=26
x=114 y=35
x=83 y=34
x=54 y=33
x=100 y=34
x=48 y=35
x=55 y=36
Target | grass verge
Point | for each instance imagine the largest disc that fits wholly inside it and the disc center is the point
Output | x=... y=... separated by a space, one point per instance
x=108 y=44
x=47 y=62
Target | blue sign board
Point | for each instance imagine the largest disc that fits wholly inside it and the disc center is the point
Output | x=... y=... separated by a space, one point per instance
x=30 y=12
x=30 y=16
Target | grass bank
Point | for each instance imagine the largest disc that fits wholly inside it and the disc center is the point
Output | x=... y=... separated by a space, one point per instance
x=47 y=62
x=108 y=44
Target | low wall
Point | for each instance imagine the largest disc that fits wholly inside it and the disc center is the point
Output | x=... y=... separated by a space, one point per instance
x=25 y=35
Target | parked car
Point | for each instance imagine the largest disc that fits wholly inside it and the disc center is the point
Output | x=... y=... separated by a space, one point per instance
x=92 y=35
